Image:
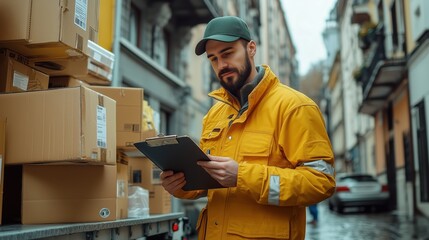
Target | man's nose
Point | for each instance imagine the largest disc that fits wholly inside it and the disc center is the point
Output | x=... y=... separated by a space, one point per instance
x=222 y=64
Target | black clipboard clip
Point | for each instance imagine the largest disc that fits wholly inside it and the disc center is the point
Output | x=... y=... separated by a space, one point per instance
x=162 y=140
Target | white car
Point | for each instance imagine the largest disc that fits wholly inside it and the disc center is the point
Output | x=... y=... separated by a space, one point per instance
x=358 y=190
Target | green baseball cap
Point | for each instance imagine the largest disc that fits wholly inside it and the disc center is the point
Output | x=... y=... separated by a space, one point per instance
x=224 y=29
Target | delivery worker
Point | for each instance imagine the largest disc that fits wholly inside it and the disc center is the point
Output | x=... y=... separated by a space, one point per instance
x=268 y=146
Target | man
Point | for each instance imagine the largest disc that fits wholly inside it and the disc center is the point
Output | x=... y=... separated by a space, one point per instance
x=267 y=142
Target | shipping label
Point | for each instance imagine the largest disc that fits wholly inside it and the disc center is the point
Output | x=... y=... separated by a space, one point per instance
x=101 y=127
x=20 y=80
x=81 y=13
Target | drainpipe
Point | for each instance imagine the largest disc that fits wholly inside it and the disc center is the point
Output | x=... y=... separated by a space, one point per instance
x=116 y=81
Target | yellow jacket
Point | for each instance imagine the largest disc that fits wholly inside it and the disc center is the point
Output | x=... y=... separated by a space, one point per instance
x=285 y=163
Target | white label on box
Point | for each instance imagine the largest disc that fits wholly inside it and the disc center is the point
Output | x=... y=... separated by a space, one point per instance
x=101 y=127
x=120 y=193
x=80 y=13
x=20 y=80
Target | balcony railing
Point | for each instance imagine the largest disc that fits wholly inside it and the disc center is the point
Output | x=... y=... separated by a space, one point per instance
x=376 y=54
x=380 y=75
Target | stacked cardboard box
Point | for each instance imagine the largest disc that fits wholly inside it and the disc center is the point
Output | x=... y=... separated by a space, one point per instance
x=129 y=113
x=93 y=196
x=61 y=125
x=132 y=126
x=60 y=147
x=16 y=76
x=49 y=28
x=58 y=37
x=143 y=173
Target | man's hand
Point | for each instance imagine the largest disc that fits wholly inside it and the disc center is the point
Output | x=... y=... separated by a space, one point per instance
x=172 y=181
x=223 y=169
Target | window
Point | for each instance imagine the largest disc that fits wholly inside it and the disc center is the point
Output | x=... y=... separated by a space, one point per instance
x=160 y=46
x=394 y=26
x=164 y=120
x=134 y=26
x=422 y=151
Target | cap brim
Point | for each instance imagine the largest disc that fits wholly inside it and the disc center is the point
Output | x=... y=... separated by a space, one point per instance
x=201 y=46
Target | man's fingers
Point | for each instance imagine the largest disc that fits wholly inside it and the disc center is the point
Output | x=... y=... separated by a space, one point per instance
x=165 y=174
x=218 y=158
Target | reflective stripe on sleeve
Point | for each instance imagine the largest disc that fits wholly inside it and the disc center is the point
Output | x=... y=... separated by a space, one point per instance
x=274 y=192
x=321 y=166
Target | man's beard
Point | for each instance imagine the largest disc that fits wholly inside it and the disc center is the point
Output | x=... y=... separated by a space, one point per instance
x=228 y=82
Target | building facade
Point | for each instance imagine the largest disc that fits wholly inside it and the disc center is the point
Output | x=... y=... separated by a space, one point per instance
x=418 y=62
x=384 y=80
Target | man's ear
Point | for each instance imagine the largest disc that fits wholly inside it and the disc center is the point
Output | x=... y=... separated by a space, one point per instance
x=251 y=48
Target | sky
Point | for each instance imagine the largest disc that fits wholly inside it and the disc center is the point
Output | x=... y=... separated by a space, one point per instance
x=306 y=22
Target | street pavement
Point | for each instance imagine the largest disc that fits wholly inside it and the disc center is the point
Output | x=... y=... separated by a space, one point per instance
x=357 y=224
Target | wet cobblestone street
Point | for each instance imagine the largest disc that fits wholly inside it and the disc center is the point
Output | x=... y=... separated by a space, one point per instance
x=357 y=224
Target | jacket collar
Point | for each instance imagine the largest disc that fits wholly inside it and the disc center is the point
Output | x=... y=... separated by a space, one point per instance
x=257 y=91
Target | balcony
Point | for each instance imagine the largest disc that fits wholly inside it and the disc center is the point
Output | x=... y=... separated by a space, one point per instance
x=380 y=76
x=193 y=12
x=360 y=11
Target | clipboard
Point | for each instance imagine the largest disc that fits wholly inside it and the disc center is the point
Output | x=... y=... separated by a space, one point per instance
x=180 y=154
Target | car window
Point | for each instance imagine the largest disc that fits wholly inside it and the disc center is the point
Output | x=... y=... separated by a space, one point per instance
x=358 y=178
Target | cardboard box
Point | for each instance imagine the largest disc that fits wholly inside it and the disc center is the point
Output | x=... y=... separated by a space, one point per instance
x=60 y=125
x=145 y=174
x=100 y=65
x=129 y=112
x=65 y=81
x=94 y=68
x=2 y=153
x=142 y=171
x=159 y=200
x=148 y=134
x=122 y=191
x=68 y=193
x=16 y=76
x=49 y=28
x=70 y=66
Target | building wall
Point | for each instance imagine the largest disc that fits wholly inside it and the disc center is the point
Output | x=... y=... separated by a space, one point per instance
x=401 y=123
x=337 y=127
x=380 y=156
x=369 y=164
x=419 y=91
x=401 y=126
x=356 y=124
x=276 y=48
x=419 y=10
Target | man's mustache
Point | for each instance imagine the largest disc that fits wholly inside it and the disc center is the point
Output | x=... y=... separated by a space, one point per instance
x=225 y=70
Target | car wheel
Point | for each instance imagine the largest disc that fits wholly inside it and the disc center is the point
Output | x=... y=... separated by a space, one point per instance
x=331 y=207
